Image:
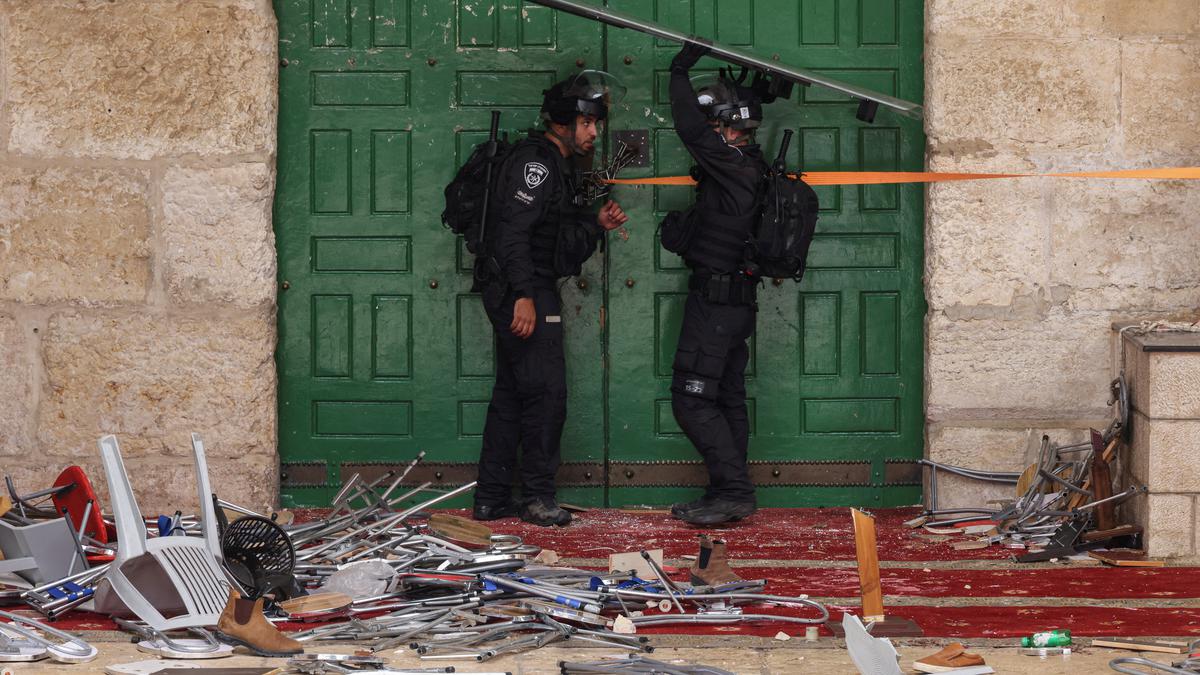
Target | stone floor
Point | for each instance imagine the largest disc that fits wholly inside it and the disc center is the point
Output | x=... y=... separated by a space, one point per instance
x=737 y=654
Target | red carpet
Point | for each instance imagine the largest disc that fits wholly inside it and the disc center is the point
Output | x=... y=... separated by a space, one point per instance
x=990 y=622
x=770 y=534
x=1032 y=581
x=798 y=535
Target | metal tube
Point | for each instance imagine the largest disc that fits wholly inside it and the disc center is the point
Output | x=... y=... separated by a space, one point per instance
x=668 y=585
x=740 y=58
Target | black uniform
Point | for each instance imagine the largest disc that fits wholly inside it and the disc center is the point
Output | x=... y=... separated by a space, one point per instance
x=537 y=233
x=708 y=392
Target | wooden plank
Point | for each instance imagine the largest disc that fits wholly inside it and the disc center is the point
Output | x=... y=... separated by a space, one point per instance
x=1106 y=455
x=1125 y=558
x=1106 y=516
x=317 y=602
x=1026 y=480
x=868 y=565
x=459 y=529
x=1138 y=645
x=1119 y=531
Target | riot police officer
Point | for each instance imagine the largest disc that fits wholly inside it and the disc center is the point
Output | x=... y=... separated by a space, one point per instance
x=539 y=231
x=708 y=392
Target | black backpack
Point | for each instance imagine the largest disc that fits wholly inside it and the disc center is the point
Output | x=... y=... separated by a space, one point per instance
x=779 y=246
x=780 y=239
x=468 y=194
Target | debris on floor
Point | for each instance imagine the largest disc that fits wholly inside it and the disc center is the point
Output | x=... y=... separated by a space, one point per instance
x=378 y=569
x=1064 y=503
x=636 y=663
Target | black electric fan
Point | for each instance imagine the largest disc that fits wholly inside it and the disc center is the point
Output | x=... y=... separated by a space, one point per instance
x=260 y=557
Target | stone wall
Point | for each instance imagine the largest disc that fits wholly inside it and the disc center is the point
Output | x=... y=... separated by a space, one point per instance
x=137 y=259
x=1024 y=277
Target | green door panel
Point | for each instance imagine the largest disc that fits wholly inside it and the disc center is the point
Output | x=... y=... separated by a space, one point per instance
x=834 y=383
x=383 y=350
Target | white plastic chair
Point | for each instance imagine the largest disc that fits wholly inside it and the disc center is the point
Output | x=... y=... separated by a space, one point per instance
x=190 y=563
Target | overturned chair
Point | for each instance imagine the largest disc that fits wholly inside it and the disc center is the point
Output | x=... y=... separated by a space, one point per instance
x=169 y=582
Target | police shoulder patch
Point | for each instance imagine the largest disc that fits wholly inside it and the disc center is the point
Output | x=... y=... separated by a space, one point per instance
x=535 y=173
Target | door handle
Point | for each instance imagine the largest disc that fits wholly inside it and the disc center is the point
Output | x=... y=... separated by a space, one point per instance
x=629 y=283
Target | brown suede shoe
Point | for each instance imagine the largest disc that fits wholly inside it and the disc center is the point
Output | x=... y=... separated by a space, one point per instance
x=711 y=568
x=952 y=657
x=243 y=624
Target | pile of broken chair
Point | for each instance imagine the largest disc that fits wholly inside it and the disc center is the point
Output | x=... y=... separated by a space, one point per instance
x=1064 y=502
x=378 y=570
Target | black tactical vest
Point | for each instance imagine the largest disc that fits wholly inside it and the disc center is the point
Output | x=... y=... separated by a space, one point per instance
x=719 y=242
x=544 y=234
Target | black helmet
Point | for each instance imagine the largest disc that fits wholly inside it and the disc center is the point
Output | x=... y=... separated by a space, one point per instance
x=724 y=100
x=591 y=92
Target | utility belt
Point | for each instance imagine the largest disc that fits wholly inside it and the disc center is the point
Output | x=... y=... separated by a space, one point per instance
x=725 y=289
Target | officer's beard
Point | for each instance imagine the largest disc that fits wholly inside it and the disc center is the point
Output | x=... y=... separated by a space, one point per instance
x=580 y=159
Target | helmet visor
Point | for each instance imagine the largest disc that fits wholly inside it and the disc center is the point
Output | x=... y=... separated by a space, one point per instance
x=596 y=87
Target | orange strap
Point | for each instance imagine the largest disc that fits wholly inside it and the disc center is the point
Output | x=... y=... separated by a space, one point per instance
x=894 y=177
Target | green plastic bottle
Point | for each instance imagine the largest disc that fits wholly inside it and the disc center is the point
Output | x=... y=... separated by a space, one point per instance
x=1052 y=638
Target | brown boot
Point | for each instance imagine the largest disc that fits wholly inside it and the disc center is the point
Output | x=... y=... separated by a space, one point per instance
x=951 y=658
x=711 y=568
x=243 y=623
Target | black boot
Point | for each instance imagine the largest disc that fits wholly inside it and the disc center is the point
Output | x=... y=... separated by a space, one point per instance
x=677 y=510
x=720 y=511
x=494 y=511
x=544 y=512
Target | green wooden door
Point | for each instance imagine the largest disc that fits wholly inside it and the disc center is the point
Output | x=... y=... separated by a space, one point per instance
x=834 y=383
x=383 y=350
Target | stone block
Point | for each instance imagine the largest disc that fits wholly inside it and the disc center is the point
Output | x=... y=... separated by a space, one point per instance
x=1012 y=18
x=1063 y=19
x=1173 y=385
x=1160 y=101
x=1124 y=245
x=152 y=380
x=987 y=449
x=1023 y=95
x=1162 y=385
x=1051 y=367
x=986 y=241
x=217 y=234
x=982 y=448
x=16 y=390
x=1150 y=18
x=1170 y=525
x=251 y=482
x=957 y=492
x=141 y=78
x=1172 y=451
x=74 y=235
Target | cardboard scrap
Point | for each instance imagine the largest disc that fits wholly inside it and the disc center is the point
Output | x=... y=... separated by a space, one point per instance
x=623 y=626
x=546 y=557
x=633 y=562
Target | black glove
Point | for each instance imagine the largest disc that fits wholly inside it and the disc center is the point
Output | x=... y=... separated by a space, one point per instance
x=689 y=55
